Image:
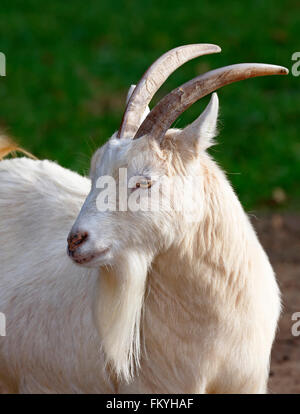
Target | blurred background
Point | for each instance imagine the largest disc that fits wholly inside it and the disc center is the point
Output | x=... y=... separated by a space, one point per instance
x=69 y=66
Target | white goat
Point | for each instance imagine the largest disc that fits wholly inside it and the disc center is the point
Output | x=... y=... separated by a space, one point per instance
x=156 y=302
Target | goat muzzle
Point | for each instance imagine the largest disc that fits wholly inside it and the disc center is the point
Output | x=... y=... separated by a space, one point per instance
x=75 y=240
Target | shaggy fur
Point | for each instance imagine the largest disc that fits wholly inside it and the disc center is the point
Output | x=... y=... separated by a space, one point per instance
x=178 y=305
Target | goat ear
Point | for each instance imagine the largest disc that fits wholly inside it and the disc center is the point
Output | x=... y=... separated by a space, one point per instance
x=130 y=92
x=204 y=129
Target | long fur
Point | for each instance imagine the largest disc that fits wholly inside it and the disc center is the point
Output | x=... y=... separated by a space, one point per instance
x=183 y=306
x=119 y=304
x=52 y=344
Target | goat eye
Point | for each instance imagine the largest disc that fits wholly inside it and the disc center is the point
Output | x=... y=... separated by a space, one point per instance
x=146 y=183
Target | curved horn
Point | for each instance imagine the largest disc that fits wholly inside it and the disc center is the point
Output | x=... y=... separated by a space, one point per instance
x=152 y=80
x=180 y=99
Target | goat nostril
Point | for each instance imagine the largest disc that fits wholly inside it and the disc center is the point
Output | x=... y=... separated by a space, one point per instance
x=74 y=240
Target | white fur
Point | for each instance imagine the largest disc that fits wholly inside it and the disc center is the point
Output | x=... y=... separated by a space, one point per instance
x=178 y=306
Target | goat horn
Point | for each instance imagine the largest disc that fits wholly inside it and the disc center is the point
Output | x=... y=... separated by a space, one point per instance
x=180 y=99
x=152 y=80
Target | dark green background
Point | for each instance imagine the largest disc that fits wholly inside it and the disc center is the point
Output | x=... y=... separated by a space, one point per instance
x=70 y=63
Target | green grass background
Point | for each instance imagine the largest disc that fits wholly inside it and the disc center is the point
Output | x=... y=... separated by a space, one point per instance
x=70 y=63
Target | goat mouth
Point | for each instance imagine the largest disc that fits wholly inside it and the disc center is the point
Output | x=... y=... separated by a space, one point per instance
x=82 y=259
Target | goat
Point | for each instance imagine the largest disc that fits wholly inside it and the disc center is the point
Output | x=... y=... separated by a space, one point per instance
x=151 y=301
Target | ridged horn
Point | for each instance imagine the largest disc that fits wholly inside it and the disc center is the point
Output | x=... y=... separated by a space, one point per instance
x=152 y=80
x=169 y=108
